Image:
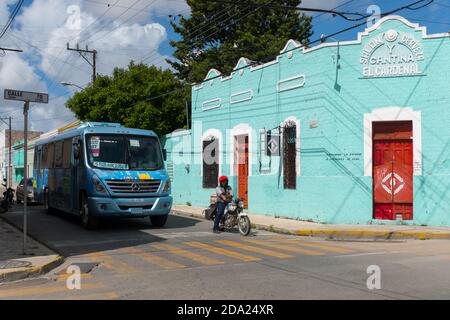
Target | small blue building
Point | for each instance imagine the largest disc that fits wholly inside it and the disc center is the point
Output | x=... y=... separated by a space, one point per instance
x=346 y=132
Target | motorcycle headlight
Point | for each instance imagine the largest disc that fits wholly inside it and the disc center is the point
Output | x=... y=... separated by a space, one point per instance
x=241 y=204
x=232 y=207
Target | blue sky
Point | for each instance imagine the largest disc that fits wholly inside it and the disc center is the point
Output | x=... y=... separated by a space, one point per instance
x=125 y=30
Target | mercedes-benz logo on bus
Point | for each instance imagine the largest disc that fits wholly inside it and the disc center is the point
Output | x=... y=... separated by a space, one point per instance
x=135 y=187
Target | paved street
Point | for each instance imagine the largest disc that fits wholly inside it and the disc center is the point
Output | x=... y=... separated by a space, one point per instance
x=185 y=260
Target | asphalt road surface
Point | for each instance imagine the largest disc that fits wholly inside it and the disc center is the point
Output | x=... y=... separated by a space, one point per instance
x=131 y=259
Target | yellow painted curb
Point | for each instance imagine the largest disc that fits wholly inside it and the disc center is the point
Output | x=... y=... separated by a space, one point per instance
x=383 y=234
x=420 y=235
x=22 y=273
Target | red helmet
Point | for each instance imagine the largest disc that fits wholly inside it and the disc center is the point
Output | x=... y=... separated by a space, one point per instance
x=223 y=179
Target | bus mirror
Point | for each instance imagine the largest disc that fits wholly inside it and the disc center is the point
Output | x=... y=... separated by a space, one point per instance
x=165 y=154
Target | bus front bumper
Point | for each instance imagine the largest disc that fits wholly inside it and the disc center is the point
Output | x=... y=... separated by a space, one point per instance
x=129 y=207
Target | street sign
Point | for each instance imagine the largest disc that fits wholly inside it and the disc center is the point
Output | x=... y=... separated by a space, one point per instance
x=25 y=96
x=272 y=144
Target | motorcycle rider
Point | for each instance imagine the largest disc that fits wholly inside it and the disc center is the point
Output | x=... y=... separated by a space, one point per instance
x=224 y=196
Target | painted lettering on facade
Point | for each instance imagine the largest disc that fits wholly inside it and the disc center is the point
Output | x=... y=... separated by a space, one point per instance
x=392 y=54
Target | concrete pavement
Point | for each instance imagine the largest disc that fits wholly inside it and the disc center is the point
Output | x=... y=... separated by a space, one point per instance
x=13 y=264
x=131 y=259
x=333 y=231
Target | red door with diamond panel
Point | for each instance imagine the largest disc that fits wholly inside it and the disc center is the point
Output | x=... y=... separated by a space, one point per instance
x=393 y=170
x=242 y=167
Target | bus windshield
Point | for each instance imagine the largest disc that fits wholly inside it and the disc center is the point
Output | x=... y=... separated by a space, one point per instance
x=123 y=152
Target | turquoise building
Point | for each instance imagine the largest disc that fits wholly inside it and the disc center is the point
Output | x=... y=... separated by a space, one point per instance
x=346 y=132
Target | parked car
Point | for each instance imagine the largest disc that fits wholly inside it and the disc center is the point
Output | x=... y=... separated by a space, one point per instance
x=20 y=190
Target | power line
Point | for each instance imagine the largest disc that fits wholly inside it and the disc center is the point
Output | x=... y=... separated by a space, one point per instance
x=202 y=33
x=339 y=6
x=125 y=11
x=344 y=15
x=45 y=53
x=11 y=17
x=321 y=39
x=98 y=18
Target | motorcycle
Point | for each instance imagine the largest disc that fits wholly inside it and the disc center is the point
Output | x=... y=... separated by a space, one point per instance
x=234 y=215
x=7 y=201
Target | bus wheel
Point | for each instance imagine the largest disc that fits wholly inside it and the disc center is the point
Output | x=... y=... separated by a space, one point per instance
x=88 y=221
x=159 y=221
x=48 y=209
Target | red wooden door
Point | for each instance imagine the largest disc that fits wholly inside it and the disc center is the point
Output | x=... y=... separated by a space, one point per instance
x=392 y=172
x=242 y=166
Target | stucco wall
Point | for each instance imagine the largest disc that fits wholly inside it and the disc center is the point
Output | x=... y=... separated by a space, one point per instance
x=339 y=101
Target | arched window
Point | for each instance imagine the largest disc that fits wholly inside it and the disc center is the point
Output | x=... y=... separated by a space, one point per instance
x=210 y=162
x=289 y=154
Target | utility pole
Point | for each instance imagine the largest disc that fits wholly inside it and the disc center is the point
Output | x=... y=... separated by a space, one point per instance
x=83 y=53
x=26 y=97
x=8 y=170
x=26 y=106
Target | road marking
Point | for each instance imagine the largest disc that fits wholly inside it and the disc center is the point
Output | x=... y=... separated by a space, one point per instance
x=314 y=245
x=43 y=290
x=222 y=251
x=255 y=249
x=174 y=235
x=286 y=248
x=154 y=259
x=64 y=277
x=367 y=254
x=187 y=254
x=96 y=296
x=111 y=263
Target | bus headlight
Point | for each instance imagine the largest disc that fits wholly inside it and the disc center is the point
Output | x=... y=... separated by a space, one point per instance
x=98 y=185
x=167 y=186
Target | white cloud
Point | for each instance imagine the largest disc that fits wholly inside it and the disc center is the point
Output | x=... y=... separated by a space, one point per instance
x=44 y=28
x=46 y=117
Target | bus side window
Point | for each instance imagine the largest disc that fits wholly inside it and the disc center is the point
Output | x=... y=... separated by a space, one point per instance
x=67 y=151
x=58 y=154
x=44 y=157
x=37 y=154
x=50 y=155
x=80 y=153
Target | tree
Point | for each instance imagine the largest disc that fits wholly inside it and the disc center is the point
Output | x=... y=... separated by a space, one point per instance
x=217 y=34
x=138 y=97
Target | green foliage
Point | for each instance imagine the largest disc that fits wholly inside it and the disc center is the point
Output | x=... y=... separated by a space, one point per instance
x=138 y=97
x=216 y=35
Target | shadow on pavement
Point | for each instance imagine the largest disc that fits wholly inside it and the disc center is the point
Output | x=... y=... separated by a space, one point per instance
x=64 y=234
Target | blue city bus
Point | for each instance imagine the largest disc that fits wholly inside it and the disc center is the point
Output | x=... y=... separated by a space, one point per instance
x=100 y=170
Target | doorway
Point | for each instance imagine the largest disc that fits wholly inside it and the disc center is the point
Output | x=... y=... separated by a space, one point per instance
x=241 y=161
x=392 y=170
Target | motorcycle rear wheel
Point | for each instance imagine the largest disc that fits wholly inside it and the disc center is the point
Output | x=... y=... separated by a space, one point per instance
x=244 y=226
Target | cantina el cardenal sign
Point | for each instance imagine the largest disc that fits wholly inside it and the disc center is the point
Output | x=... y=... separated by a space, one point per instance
x=392 y=54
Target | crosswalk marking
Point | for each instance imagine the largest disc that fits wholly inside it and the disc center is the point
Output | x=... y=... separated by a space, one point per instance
x=10 y=293
x=187 y=254
x=95 y=296
x=111 y=263
x=222 y=251
x=315 y=245
x=64 y=277
x=255 y=249
x=286 y=248
x=154 y=259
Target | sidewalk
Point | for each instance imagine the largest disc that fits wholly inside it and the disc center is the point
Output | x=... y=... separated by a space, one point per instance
x=13 y=264
x=333 y=231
